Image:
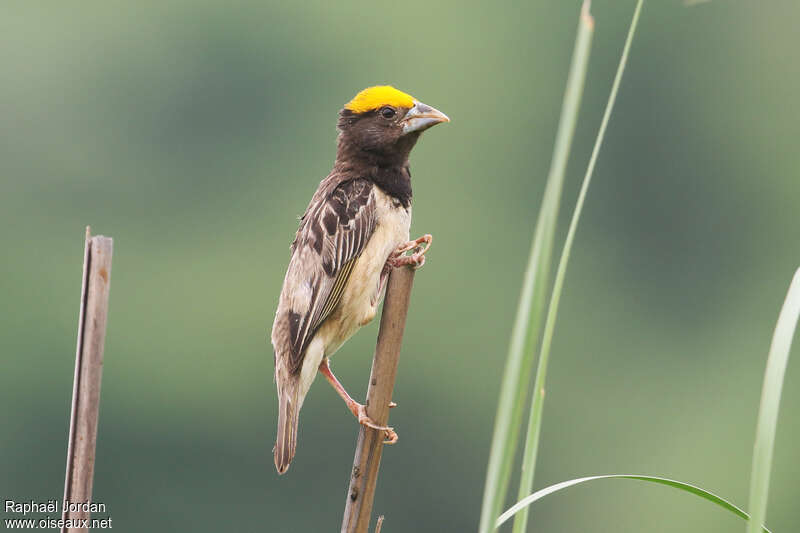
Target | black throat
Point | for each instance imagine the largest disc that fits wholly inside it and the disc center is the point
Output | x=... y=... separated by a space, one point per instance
x=388 y=169
x=394 y=181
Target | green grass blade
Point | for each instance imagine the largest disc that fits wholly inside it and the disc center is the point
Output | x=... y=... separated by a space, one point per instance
x=692 y=489
x=535 y=422
x=527 y=326
x=770 y=402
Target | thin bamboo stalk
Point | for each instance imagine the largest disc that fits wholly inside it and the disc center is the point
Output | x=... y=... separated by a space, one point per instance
x=88 y=373
x=364 y=475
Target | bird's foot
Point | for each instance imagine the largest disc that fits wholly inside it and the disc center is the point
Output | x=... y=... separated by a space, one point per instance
x=418 y=248
x=398 y=259
x=358 y=410
x=365 y=420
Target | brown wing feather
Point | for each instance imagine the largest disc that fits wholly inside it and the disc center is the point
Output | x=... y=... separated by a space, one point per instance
x=333 y=232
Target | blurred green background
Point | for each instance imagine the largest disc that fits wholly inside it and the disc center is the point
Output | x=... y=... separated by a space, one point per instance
x=194 y=133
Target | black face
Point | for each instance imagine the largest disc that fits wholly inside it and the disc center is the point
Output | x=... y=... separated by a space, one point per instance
x=377 y=131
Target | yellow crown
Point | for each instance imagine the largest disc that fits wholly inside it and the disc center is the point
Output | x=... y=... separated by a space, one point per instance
x=379 y=96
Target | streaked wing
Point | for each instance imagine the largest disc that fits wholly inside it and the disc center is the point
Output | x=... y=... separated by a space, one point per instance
x=332 y=234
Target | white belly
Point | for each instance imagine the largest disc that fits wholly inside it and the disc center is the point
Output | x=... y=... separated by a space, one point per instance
x=359 y=301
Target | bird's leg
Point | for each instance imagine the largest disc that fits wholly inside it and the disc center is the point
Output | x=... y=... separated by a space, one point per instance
x=378 y=296
x=417 y=258
x=358 y=410
x=397 y=259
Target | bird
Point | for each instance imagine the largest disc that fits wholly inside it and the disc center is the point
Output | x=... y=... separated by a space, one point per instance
x=354 y=231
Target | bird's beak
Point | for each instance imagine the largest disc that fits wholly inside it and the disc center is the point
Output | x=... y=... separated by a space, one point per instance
x=421 y=117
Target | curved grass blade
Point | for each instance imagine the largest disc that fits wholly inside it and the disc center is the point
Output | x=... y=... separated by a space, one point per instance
x=692 y=489
x=770 y=403
x=537 y=404
x=528 y=323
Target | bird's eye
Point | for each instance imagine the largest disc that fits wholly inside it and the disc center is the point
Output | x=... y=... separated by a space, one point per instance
x=387 y=112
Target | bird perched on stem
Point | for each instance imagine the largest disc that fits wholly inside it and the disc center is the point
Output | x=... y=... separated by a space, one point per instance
x=354 y=231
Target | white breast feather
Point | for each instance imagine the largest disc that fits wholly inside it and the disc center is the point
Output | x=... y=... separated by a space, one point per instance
x=356 y=307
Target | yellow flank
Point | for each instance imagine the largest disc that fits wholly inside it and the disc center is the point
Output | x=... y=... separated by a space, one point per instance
x=379 y=96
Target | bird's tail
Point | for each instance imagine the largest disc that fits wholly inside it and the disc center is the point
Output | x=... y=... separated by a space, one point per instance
x=288 y=413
